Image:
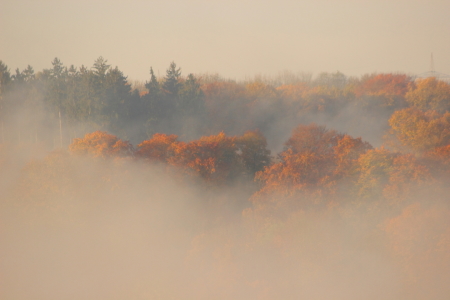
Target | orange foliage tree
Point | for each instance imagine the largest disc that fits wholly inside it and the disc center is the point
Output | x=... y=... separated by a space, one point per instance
x=160 y=147
x=314 y=160
x=101 y=144
x=388 y=85
x=216 y=159
x=388 y=89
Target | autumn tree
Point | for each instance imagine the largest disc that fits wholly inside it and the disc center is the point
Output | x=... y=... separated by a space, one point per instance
x=373 y=169
x=347 y=151
x=101 y=144
x=313 y=139
x=214 y=158
x=293 y=92
x=418 y=131
x=258 y=90
x=161 y=147
x=388 y=179
x=430 y=94
x=217 y=159
x=407 y=176
x=314 y=160
x=376 y=98
x=388 y=90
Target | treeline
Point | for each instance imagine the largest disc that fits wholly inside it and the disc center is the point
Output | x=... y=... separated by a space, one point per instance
x=59 y=104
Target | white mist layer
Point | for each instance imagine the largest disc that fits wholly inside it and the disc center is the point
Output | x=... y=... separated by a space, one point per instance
x=126 y=230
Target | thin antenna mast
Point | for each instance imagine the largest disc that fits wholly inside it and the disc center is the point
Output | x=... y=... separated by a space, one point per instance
x=432 y=72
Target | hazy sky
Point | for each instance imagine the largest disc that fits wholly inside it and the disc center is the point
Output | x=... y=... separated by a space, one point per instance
x=234 y=38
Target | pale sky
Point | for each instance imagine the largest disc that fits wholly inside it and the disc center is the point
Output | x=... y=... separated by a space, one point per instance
x=235 y=38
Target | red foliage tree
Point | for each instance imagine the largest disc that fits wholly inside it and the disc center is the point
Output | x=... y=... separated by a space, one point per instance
x=384 y=85
x=314 y=160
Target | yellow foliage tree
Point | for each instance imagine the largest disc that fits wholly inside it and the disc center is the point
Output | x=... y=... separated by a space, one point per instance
x=430 y=93
x=374 y=168
x=293 y=92
x=256 y=90
x=418 y=131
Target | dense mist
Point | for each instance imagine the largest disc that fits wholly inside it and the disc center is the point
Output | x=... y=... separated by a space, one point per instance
x=200 y=187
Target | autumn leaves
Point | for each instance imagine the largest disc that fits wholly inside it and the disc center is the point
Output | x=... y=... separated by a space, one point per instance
x=101 y=144
x=217 y=159
x=321 y=165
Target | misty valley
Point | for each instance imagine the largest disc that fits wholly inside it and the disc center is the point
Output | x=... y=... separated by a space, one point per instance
x=197 y=186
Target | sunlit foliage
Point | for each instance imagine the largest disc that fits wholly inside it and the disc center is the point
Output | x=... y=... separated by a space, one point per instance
x=216 y=159
x=314 y=161
x=419 y=131
x=101 y=144
x=430 y=94
x=160 y=147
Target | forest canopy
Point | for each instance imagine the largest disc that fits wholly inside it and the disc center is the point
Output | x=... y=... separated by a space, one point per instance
x=270 y=188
